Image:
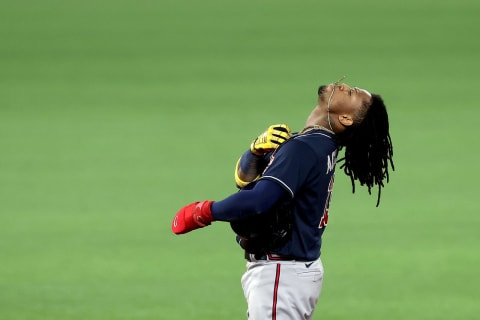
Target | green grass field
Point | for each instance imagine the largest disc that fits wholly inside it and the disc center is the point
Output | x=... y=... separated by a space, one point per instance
x=114 y=114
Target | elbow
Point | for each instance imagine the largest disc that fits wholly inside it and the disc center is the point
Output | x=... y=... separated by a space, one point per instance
x=263 y=204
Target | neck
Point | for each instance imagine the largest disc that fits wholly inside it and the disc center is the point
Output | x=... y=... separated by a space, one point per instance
x=316 y=127
x=328 y=107
x=317 y=119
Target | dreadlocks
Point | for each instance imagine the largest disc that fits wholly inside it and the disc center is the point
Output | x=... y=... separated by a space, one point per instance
x=368 y=147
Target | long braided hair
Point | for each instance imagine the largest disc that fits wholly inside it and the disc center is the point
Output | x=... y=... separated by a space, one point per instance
x=368 y=147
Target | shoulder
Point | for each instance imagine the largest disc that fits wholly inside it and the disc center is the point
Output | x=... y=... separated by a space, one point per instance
x=316 y=141
x=316 y=136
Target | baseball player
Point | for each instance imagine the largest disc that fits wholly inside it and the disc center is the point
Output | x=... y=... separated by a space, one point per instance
x=286 y=182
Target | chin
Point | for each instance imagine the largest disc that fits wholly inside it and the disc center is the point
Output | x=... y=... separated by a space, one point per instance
x=322 y=89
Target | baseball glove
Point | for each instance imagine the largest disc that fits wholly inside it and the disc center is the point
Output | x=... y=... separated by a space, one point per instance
x=263 y=233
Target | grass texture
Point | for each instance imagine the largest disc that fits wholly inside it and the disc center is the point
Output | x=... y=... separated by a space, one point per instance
x=114 y=114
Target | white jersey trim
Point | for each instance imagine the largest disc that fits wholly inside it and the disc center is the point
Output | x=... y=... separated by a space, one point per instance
x=315 y=133
x=281 y=182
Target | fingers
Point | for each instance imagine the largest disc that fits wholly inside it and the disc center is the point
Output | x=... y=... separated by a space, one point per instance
x=281 y=128
x=270 y=139
x=278 y=134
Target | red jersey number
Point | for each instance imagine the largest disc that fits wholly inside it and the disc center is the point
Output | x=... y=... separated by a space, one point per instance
x=324 y=219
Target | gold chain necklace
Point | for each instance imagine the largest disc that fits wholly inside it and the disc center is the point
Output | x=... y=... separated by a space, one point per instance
x=316 y=127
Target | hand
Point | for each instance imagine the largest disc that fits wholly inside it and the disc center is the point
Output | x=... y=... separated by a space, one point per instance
x=193 y=216
x=271 y=139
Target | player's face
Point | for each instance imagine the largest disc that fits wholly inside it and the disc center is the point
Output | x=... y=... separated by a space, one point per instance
x=345 y=99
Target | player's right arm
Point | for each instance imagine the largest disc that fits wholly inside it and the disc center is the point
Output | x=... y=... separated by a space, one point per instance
x=249 y=168
x=252 y=163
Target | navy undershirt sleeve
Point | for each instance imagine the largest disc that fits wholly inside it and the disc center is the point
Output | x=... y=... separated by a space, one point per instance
x=264 y=195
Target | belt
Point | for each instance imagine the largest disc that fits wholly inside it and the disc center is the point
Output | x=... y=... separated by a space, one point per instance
x=254 y=257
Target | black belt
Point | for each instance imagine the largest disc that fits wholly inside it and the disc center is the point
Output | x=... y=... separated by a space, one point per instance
x=254 y=257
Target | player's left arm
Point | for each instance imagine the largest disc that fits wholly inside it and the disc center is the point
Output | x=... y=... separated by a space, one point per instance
x=237 y=206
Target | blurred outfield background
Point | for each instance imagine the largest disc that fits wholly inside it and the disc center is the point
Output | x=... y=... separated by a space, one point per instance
x=114 y=114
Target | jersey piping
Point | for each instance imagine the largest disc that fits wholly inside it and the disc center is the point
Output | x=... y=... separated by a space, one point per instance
x=281 y=182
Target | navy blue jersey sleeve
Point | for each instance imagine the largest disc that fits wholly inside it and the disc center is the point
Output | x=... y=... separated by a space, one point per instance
x=291 y=166
x=245 y=203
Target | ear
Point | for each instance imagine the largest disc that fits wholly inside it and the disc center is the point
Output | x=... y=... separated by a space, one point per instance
x=345 y=120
